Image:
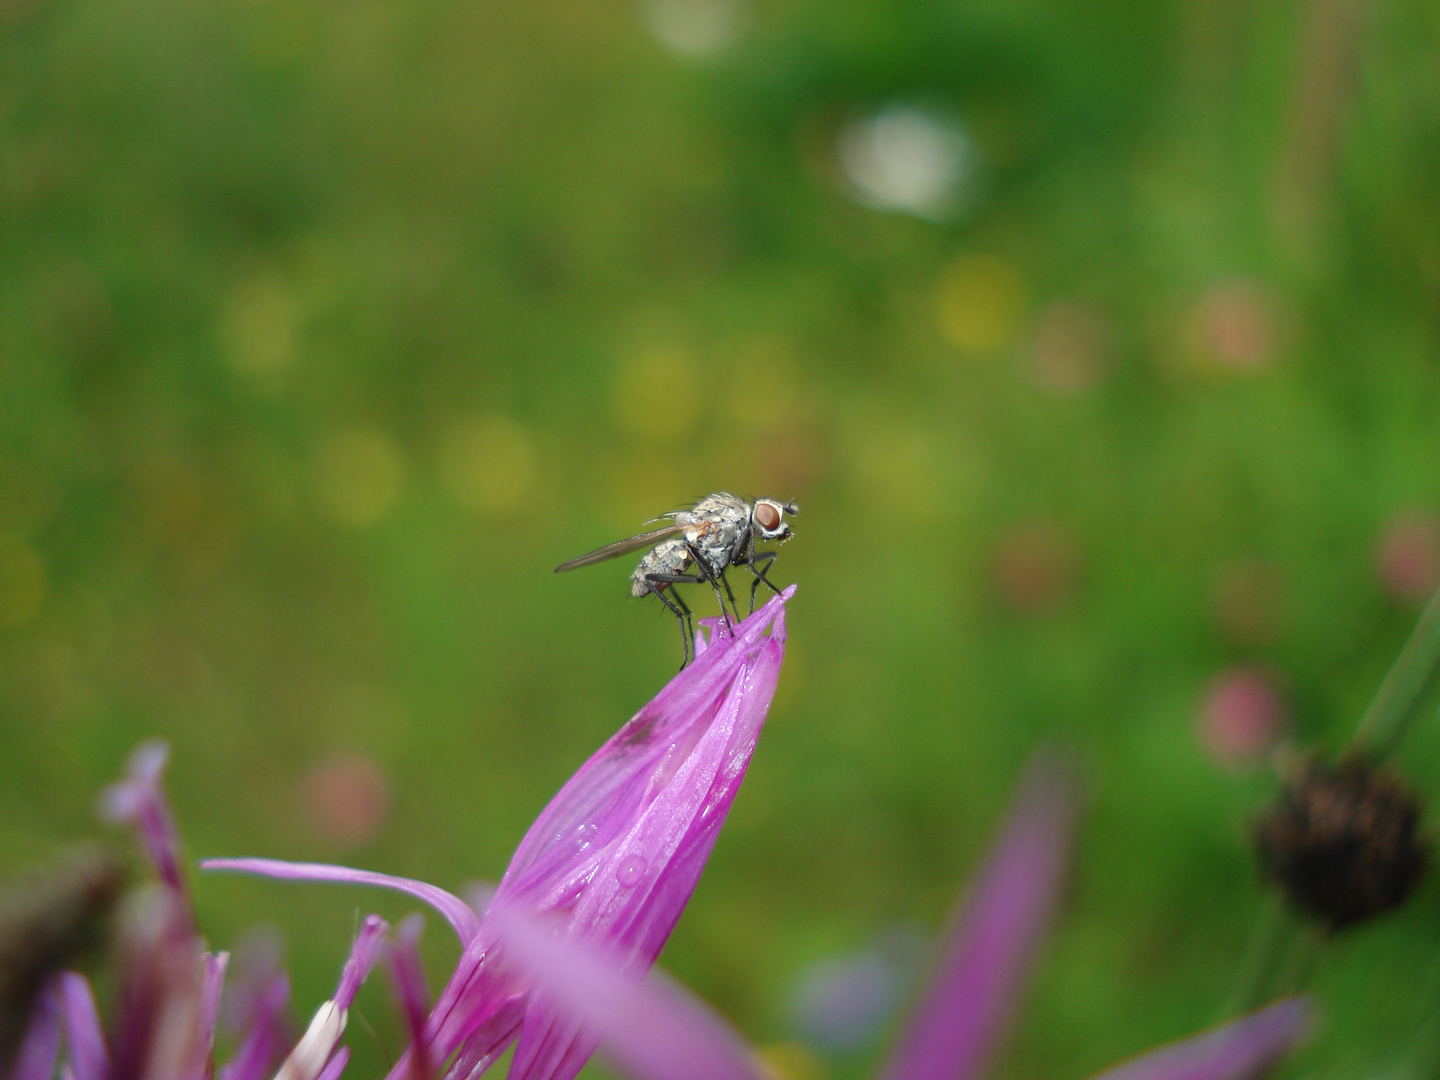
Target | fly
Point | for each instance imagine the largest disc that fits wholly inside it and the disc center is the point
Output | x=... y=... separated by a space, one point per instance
x=700 y=544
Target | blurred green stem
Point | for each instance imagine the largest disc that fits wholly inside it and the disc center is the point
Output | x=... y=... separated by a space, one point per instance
x=1278 y=959
x=1407 y=686
x=1422 y=1061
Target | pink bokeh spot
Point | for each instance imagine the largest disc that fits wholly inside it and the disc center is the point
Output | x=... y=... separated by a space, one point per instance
x=1242 y=714
x=1407 y=557
x=346 y=799
x=1237 y=326
x=1071 y=350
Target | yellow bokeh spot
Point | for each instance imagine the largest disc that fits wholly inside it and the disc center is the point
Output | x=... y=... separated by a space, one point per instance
x=258 y=327
x=358 y=474
x=658 y=393
x=761 y=383
x=902 y=468
x=980 y=301
x=489 y=463
x=22 y=581
x=791 y=1060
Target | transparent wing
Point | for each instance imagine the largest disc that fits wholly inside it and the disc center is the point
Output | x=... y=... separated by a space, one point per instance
x=621 y=547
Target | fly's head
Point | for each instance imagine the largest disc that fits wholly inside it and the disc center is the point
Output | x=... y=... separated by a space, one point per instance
x=768 y=519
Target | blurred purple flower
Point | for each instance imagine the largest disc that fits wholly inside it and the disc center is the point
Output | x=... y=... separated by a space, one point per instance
x=615 y=855
x=655 y=1030
x=167 y=994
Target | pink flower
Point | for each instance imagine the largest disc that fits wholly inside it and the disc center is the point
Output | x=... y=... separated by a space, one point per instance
x=655 y=1030
x=615 y=855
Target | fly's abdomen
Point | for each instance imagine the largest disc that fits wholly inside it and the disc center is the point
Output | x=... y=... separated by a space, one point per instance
x=667 y=557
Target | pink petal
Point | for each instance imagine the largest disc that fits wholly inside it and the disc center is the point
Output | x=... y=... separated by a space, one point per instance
x=1234 y=1051
x=84 y=1037
x=265 y=1040
x=336 y=1065
x=977 y=983
x=363 y=955
x=139 y=800
x=212 y=981
x=651 y=1028
x=158 y=997
x=456 y=912
x=40 y=1049
x=408 y=976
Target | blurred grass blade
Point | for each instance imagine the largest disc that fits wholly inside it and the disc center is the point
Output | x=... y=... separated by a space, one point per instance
x=1407 y=687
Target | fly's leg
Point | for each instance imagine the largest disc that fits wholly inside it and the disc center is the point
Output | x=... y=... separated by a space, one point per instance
x=733 y=606
x=765 y=558
x=708 y=574
x=676 y=603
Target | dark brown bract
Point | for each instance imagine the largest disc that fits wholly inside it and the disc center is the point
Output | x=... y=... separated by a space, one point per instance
x=48 y=920
x=1343 y=841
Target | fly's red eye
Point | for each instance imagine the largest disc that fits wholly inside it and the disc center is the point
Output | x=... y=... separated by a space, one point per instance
x=767 y=517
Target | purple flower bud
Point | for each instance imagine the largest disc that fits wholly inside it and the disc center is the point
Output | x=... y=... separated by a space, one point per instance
x=138 y=800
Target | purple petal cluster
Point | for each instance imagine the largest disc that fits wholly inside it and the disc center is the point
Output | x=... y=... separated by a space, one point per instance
x=167 y=996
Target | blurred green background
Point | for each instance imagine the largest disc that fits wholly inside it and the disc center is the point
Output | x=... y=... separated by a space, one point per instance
x=1097 y=341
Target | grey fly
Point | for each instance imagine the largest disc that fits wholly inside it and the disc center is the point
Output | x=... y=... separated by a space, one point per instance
x=700 y=544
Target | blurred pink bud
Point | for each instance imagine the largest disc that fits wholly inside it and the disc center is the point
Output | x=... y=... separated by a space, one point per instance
x=1241 y=715
x=347 y=799
x=1407 y=558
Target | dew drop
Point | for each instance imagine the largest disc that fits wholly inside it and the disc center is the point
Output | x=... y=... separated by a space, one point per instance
x=631 y=870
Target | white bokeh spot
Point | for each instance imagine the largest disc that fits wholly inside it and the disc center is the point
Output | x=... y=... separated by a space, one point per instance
x=694 y=28
x=906 y=158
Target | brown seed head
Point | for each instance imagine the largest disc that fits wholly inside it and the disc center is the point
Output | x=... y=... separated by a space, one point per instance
x=1343 y=841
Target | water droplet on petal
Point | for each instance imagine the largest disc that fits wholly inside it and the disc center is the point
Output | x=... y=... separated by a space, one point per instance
x=631 y=870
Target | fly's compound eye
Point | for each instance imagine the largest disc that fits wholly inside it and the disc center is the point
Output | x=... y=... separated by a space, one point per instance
x=767 y=517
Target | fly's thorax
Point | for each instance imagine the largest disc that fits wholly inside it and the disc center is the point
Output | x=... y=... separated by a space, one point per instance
x=720 y=541
x=722 y=506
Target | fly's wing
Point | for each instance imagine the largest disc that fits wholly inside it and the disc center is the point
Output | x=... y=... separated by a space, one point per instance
x=621 y=547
